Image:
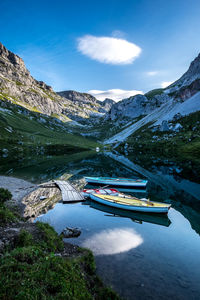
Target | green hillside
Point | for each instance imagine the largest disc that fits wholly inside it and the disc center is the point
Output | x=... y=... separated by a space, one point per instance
x=184 y=144
x=22 y=130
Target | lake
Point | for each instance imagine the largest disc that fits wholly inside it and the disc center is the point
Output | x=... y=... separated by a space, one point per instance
x=140 y=256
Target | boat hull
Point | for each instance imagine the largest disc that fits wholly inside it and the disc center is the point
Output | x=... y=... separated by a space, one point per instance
x=152 y=209
x=118 y=183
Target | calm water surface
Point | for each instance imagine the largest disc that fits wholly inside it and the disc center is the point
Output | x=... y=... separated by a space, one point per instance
x=139 y=260
x=140 y=256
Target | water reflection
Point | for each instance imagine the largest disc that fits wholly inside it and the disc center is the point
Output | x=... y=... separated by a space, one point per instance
x=171 y=184
x=145 y=254
x=113 y=241
x=159 y=219
x=40 y=201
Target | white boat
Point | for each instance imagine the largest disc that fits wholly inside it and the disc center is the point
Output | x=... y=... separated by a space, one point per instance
x=117 y=182
x=132 y=203
x=107 y=191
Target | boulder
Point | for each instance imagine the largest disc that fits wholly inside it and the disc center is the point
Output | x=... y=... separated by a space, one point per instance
x=177 y=117
x=164 y=126
x=177 y=127
x=70 y=232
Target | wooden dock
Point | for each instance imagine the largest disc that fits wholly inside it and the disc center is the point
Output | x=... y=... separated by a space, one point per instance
x=69 y=193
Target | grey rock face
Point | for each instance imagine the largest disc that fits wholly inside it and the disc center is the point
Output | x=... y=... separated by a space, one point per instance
x=40 y=201
x=141 y=105
x=192 y=73
x=76 y=96
x=18 y=86
x=87 y=102
x=136 y=106
x=107 y=104
x=177 y=127
x=188 y=84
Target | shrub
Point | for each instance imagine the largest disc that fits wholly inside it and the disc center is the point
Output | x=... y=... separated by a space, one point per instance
x=153 y=93
x=24 y=239
x=28 y=254
x=49 y=239
x=6 y=216
x=4 y=195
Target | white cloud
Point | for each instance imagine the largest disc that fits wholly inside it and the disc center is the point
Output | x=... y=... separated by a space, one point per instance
x=113 y=241
x=164 y=84
x=151 y=73
x=115 y=94
x=109 y=50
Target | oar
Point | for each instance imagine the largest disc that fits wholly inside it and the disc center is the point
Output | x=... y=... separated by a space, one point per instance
x=105 y=186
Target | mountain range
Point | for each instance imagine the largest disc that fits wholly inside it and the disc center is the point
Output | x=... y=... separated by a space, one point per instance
x=81 y=115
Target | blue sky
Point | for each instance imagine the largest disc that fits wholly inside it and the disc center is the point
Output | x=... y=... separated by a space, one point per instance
x=103 y=45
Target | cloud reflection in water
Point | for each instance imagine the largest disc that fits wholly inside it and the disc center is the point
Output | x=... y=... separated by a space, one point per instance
x=113 y=241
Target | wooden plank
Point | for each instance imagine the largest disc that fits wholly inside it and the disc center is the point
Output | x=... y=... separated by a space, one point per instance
x=69 y=193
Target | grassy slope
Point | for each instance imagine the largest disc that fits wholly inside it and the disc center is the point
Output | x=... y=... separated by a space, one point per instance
x=183 y=144
x=32 y=129
x=106 y=129
x=153 y=93
x=34 y=266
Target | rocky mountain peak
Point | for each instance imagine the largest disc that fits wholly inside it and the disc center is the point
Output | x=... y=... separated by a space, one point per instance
x=19 y=87
x=192 y=73
x=135 y=106
x=189 y=83
x=77 y=96
x=13 y=67
x=194 y=68
x=108 y=101
x=191 y=76
x=11 y=58
x=85 y=99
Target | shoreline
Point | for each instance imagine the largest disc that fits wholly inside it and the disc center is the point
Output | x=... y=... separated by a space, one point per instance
x=29 y=199
x=18 y=187
x=31 y=245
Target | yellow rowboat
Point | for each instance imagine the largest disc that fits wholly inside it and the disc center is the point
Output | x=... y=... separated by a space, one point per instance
x=132 y=203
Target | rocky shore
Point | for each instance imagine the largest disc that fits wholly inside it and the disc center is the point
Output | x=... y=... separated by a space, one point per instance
x=35 y=263
x=26 y=206
x=18 y=187
x=29 y=199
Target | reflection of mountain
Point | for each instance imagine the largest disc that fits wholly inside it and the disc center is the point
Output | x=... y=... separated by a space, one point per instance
x=74 y=166
x=184 y=195
x=162 y=220
x=161 y=187
x=43 y=168
x=40 y=201
x=189 y=191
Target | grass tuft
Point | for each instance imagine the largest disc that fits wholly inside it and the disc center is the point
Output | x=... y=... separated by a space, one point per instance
x=49 y=239
x=32 y=270
x=6 y=216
